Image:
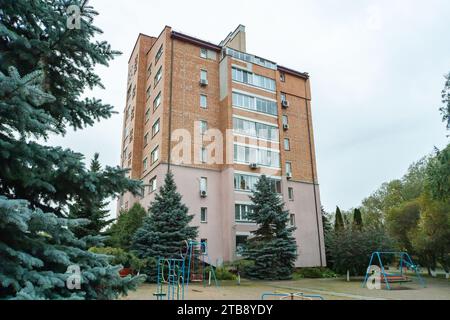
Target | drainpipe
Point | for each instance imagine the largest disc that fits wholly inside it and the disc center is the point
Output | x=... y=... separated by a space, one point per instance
x=313 y=176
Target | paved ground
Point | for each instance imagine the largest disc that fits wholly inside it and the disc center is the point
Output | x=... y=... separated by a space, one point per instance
x=329 y=289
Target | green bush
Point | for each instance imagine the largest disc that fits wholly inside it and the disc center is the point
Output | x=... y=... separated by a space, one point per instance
x=222 y=273
x=121 y=257
x=313 y=273
x=242 y=266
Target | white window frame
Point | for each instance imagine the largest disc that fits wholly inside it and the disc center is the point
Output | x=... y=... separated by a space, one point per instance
x=152 y=185
x=203 y=184
x=145 y=163
x=241 y=212
x=204 y=210
x=157 y=125
x=154 y=155
x=287 y=147
x=204 y=53
x=291 y=194
x=203 y=101
x=292 y=220
x=157 y=101
x=158 y=77
x=288 y=164
x=205 y=73
x=159 y=54
x=145 y=139
x=203 y=154
x=203 y=127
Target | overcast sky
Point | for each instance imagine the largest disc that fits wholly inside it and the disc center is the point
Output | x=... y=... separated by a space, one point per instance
x=376 y=75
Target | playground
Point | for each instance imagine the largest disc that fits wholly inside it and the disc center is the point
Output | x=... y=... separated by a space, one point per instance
x=389 y=276
x=329 y=289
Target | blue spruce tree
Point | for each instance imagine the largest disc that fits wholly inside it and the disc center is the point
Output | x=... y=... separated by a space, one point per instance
x=44 y=70
x=272 y=248
x=166 y=227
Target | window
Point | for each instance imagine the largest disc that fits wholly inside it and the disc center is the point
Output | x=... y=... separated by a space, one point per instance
x=285 y=120
x=246 y=154
x=247 y=183
x=203 y=215
x=287 y=144
x=159 y=54
x=256 y=104
x=155 y=155
x=203 y=154
x=253 y=79
x=147 y=115
x=282 y=77
x=134 y=92
x=152 y=185
x=240 y=243
x=250 y=58
x=149 y=71
x=155 y=128
x=157 y=101
x=158 y=76
x=283 y=96
x=148 y=92
x=131 y=136
x=288 y=167
x=203 y=127
x=144 y=164
x=203 y=75
x=146 y=139
x=135 y=64
x=203 y=53
x=255 y=129
x=203 y=101
x=129 y=92
x=291 y=193
x=124 y=154
x=241 y=212
x=204 y=245
x=203 y=184
x=292 y=220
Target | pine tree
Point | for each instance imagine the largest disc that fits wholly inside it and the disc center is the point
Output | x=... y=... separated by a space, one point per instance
x=94 y=210
x=166 y=227
x=272 y=247
x=338 y=220
x=121 y=232
x=327 y=227
x=357 y=219
x=327 y=234
x=44 y=70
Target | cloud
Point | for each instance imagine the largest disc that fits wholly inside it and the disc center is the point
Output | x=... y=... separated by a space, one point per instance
x=376 y=69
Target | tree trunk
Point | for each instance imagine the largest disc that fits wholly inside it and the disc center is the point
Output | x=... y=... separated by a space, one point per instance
x=348 y=275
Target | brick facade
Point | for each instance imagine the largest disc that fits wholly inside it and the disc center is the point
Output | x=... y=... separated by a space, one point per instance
x=179 y=112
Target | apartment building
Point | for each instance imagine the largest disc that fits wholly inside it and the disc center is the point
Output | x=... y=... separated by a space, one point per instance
x=218 y=118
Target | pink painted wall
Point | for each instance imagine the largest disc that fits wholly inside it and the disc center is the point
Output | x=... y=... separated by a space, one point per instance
x=221 y=228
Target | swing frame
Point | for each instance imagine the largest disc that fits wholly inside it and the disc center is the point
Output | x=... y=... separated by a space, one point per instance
x=405 y=261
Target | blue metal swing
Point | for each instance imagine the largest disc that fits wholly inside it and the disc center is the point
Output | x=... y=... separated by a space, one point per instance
x=405 y=261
